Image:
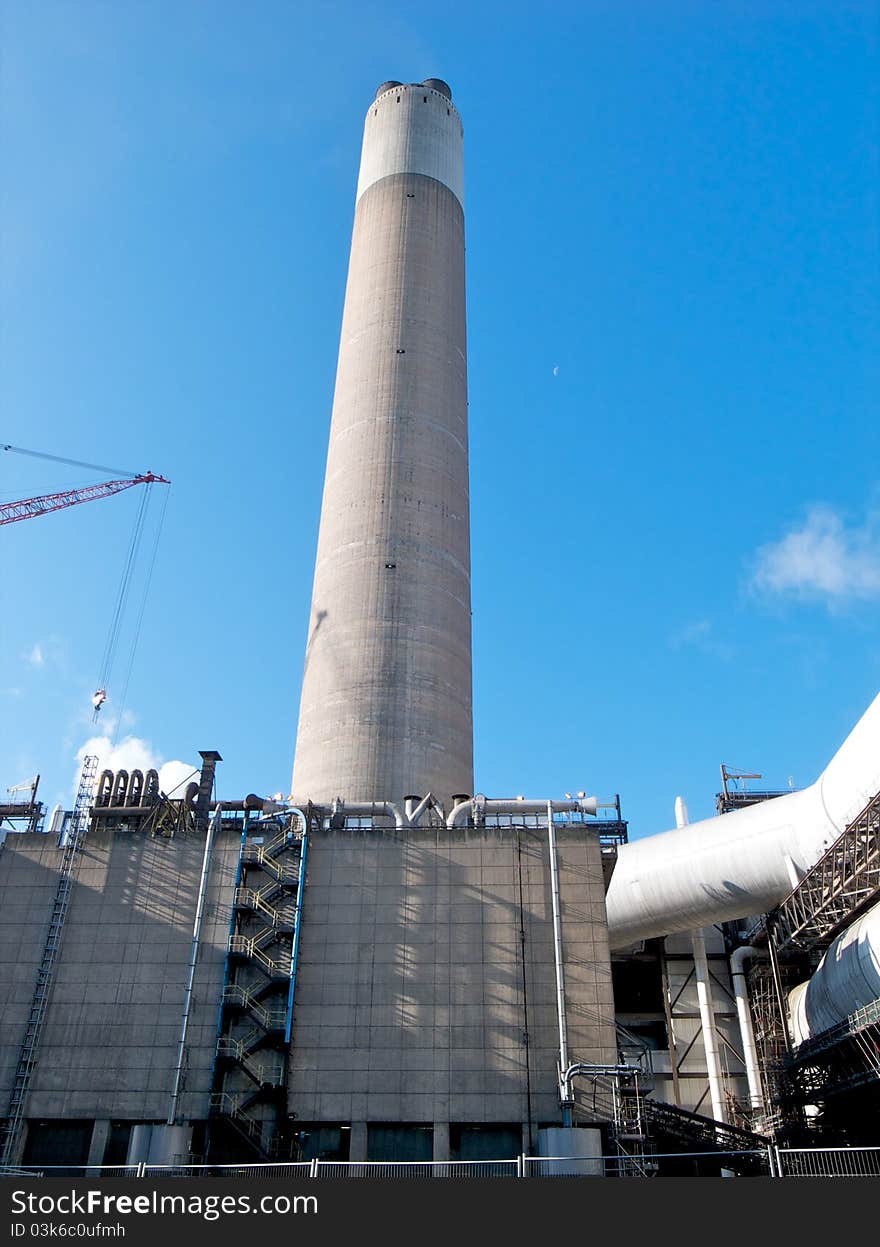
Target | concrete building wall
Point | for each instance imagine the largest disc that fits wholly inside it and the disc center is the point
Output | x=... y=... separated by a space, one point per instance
x=109 y=1041
x=386 y=698
x=425 y=991
x=410 y=1000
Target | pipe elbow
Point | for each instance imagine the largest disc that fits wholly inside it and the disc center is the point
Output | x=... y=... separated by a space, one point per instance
x=458 y=814
x=741 y=955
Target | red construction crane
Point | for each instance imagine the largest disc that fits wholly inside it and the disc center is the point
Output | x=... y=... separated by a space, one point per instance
x=27 y=508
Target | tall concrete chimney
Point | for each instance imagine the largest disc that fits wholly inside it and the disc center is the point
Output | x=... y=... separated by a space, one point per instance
x=386 y=697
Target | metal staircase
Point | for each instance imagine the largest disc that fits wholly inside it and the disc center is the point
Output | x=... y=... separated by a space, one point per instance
x=28 y=1054
x=677 y=1129
x=256 y=1014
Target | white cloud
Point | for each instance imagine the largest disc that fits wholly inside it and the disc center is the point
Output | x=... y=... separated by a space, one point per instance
x=175 y=776
x=47 y=652
x=822 y=558
x=693 y=632
x=555 y=370
x=133 y=753
x=700 y=634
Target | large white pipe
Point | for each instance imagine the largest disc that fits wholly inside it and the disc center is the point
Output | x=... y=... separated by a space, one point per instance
x=707 y=1024
x=743 y=863
x=557 y=959
x=746 y=1030
x=846 y=979
x=705 y=1002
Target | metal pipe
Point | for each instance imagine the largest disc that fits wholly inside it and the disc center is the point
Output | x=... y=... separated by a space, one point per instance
x=741 y=992
x=707 y=1024
x=105 y=789
x=191 y=972
x=370 y=809
x=415 y=813
x=135 y=787
x=704 y=1000
x=741 y=863
x=151 y=787
x=560 y=979
x=480 y=805
x=297 y=921
x=846 y=979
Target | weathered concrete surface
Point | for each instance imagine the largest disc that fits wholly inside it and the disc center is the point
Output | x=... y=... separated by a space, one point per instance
x=410 y=1000
x=386 y=698
x=109 y=1041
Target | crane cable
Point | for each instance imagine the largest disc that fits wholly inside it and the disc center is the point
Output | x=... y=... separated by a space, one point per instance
x=109 y=657
x=140 y=616
x=74 y=463
x=107 y=662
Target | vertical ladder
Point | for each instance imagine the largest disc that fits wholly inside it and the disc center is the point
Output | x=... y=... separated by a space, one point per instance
x=27 y=1057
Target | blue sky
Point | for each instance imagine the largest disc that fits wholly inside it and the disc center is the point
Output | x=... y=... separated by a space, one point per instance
x=672 y=233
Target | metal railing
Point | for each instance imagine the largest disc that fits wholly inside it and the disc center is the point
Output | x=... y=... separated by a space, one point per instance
x=776 y=1162
x=71 y=1171
x=269 y=1019
x=417 y=1168
x=258 y=1171
x=827 y=1162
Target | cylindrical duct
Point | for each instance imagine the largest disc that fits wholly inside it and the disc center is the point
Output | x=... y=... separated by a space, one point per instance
x=151 y=788
x=742 y=863
x=120 y=789
x=135 y=787
x=846 y=979
x=105 y=788
x=386 y=698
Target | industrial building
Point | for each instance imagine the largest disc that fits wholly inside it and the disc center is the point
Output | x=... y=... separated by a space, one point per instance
x=389 y=966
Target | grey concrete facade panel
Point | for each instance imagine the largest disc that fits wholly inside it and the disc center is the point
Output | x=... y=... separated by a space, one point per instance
x=109 y=1040
x=436 y=1028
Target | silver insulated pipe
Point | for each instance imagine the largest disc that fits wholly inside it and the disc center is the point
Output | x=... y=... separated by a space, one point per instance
x=743 y=863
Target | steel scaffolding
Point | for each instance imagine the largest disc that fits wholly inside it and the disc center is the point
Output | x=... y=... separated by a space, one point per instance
x=28 y=1053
